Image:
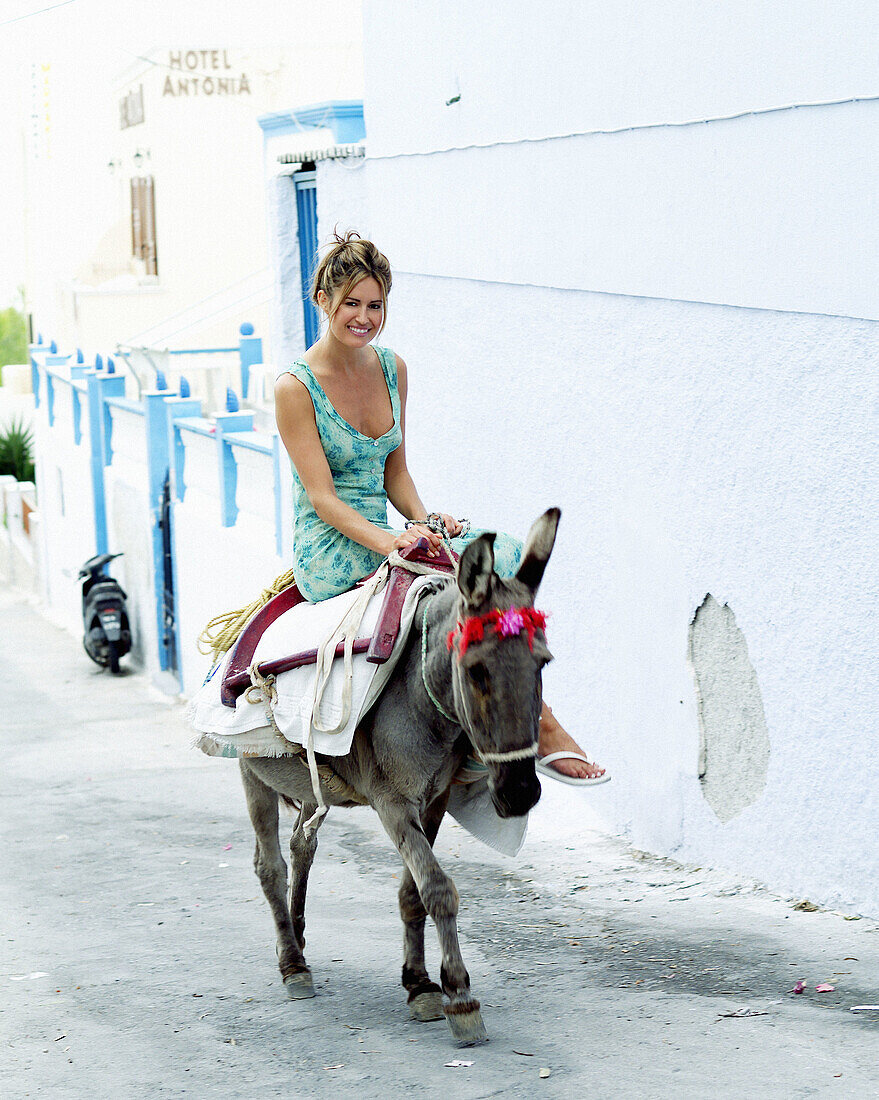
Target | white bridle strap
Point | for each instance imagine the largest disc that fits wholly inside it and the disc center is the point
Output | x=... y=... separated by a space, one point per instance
x=503 y=757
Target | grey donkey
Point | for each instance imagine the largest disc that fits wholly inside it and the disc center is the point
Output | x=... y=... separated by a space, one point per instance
x=437 y=708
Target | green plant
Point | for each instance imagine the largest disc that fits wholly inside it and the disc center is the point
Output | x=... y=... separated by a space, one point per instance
x=16 y=451
x=13 y=337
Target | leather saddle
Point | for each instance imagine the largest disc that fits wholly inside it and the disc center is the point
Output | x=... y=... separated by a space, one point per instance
x=236 y=678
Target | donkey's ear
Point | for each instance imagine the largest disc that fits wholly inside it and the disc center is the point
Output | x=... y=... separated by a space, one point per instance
x=538 y=547
x=476 y=568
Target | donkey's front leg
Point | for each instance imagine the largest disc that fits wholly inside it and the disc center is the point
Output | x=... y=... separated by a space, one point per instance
x=441 y=901
x=425 y=996
x=262 y=805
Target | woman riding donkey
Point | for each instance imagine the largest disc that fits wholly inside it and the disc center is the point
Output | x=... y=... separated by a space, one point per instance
x=341 y=413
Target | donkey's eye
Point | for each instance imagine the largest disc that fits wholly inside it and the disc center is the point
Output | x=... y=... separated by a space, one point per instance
x=478 y=674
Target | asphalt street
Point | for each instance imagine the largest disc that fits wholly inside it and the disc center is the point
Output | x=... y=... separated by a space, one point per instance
x=138 y=953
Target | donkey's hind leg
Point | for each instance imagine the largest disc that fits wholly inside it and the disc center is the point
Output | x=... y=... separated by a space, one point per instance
x=262 y=804
x=425 y=996
x=302 y=850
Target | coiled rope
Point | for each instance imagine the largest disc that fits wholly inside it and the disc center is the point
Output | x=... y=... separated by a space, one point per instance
x=224 y=630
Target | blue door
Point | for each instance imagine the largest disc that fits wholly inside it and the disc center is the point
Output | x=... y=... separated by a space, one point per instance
x=306 y=210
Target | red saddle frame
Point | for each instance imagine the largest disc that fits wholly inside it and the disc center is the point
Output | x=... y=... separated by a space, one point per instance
x=236 y=678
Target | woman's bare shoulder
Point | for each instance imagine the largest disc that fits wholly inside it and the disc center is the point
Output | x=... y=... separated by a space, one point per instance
x=292 y=394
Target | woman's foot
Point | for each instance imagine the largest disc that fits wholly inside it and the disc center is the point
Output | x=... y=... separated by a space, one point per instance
x=554 y=738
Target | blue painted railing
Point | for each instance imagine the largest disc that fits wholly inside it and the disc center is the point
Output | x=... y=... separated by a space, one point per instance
x=171 y=420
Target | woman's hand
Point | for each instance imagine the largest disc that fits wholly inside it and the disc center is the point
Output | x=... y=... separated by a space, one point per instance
x=413 y=534
x=452 y=525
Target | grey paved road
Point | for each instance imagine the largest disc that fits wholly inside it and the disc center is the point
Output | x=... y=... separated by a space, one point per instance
x=137 y=952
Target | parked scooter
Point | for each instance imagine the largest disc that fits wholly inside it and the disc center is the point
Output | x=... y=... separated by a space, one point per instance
x=104 y=616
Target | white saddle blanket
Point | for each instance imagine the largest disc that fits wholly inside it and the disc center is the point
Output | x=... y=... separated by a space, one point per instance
x=246 y=731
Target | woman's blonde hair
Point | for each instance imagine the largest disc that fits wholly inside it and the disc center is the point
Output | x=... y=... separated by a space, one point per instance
x=348 y=260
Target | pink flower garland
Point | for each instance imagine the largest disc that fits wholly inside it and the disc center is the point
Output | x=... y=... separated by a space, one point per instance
x=507 y=624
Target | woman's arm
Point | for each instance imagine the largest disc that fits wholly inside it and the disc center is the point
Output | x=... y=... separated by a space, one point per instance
x=398 y=481
x=294 y=412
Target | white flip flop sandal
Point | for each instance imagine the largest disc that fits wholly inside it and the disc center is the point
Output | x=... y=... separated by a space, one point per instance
x=542 y=765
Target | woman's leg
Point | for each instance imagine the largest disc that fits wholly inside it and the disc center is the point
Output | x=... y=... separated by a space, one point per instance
x=554 y=738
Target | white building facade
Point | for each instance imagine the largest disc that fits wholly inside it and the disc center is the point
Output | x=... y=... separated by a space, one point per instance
x=146 y=218
x=635 y=275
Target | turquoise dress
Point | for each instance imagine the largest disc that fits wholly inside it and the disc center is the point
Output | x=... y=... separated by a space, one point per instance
x=326 y=562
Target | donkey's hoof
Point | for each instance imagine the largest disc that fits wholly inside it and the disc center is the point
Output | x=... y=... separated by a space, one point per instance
x=299 y=986
x=427 y=1006
x=467 y=1028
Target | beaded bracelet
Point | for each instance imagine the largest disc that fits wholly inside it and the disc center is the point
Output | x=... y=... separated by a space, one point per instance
x=434 y=522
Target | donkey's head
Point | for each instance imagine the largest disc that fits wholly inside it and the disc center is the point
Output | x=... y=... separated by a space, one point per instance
x=498 y=651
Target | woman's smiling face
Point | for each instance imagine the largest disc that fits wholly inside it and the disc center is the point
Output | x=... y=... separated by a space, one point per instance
x=358 y=317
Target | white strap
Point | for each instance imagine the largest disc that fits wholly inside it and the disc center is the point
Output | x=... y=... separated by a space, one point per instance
x=565 y=754
x=346 y=632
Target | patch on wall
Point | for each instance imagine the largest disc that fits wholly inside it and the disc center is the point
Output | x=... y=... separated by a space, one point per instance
x=733 y=738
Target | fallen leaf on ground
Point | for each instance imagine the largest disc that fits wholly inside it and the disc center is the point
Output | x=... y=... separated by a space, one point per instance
x=524 y=1053
x=855 y=917
x=850 y=959
x=227 y=847
x=799 y=987
x=458 y=1064
x=806 y=906
x=825 y=987
x=740 y=1013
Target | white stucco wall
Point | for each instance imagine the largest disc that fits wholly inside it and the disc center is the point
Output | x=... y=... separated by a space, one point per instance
x=769 y=210
x=129 y=532
x=693 y=449
x=553 y=298
x=525 y=72
x=65 y=501
x=220 y=568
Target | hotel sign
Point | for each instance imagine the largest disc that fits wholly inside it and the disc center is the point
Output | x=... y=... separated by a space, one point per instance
x=203 y=72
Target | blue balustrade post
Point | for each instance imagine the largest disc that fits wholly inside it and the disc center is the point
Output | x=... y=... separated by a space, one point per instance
x=228 y=468
x=250 y=352
x=98 y=388
x=156 y=418
x=33 y=349
x=76 y=398
x=53 y=361
x=179 y=408
x=78 y=371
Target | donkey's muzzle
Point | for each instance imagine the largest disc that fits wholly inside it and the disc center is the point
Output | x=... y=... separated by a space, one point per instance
x=514 y=788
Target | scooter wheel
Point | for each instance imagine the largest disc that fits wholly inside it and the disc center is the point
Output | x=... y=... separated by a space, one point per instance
x=113 y=656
